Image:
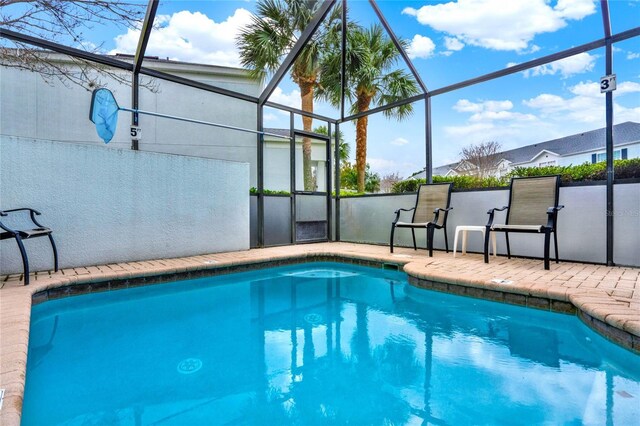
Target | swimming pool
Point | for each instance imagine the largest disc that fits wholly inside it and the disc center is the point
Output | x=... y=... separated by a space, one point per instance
x=321 y=343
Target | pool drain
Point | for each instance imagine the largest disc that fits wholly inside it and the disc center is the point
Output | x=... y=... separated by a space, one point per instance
x=189 y=366
x=313 y=319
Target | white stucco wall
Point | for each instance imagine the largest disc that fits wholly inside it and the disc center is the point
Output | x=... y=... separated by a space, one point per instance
x=113 y=205
x=32 y=108
x=626 y=224
x=582 y=224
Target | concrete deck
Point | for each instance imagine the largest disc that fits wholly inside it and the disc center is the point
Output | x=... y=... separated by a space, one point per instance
x=606 y=298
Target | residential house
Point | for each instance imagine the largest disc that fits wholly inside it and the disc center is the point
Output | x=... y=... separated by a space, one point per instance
x=586 y=147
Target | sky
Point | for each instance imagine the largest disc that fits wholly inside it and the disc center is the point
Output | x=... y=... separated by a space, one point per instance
x=450 y=41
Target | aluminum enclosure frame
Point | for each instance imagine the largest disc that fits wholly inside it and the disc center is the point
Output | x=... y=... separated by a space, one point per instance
x=136 y=68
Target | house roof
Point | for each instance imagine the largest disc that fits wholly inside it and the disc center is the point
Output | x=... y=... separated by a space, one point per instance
x=623 y=133
x=281 y=132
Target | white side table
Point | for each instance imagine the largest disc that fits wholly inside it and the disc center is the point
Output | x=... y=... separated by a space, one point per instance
x=467 y=228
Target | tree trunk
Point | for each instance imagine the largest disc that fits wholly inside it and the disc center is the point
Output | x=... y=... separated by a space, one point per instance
x=361 y=141
x=306 y=92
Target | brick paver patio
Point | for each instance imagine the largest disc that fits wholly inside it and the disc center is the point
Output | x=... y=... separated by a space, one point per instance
x=606 y=298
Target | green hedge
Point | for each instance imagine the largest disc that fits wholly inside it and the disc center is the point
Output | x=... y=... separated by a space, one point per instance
x=624 y=169
x=253 y=190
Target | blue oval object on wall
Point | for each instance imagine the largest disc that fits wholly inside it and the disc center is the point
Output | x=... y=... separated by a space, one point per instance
x=104 y=113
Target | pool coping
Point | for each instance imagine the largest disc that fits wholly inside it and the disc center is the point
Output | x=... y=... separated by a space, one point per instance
x=613 y=317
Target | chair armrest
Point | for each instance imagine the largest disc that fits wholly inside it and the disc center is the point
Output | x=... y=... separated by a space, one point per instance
x=438 y=209
x=492 y=212
x=404 y=210
x=555 y=209
x=32 y=213
x=436 y=213
x=4 y=212
x=397 y=213
x=552 y=213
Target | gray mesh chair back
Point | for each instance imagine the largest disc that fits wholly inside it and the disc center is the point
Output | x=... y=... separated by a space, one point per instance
x=430 y=213
x=533 y=208
x=431 y=197
x=530 y=199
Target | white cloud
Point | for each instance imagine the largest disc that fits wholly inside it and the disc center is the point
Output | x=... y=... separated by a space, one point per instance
x=544 y=117
x=632 y=55
x=190 y=37
x=585 y=106
x=270 y=117
x=627 y=87
x=490 y=120
x=452 y=43
x=499 y=24
x=399 y=142
x=88 y=46
x=292 y=99
x=577 y=64
x=421 y=47
x=533 y=49
x=464 y=105
x=384 y=166
x=575 y=9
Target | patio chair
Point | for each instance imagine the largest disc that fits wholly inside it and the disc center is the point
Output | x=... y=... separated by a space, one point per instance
x=430 y=213
x=533 y=208
x=25 y=234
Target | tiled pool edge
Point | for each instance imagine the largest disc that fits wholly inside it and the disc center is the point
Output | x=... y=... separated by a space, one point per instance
x=616 y=335
x=603 y=314
x=595 y=307
x=57 y=292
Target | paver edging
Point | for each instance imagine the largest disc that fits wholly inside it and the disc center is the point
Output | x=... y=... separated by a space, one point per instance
x=532 y=294
x=592 y=306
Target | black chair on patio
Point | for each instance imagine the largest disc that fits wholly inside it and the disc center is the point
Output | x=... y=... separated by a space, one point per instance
x=24 y=234
x=430 y=213
x=533 y=208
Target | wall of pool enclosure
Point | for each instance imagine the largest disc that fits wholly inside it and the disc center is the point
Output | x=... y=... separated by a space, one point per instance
x=581 y=224
x=116 y=205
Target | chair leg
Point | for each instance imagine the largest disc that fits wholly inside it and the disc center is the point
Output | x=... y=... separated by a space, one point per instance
x=506 y=235
x=25 y=260
x=430 y=231
x=547 y=238
x=486 y=244
x=393 y=229
x=413 y=234
x=446 y=240
x=55 y=253
x=555 y=244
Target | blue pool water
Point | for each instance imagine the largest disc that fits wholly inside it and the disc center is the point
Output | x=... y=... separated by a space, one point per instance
x=314 y=344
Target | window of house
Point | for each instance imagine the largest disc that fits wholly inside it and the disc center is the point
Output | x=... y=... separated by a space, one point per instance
x=547 y=163
x=618 y=154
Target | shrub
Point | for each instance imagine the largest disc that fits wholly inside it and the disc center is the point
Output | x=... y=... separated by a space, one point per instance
x=349 y=178
x=624 y=169
x=254 y=191
x=409 y=185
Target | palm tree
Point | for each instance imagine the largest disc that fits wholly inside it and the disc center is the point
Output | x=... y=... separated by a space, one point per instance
x=344 y=146
x=370 y=80
x=272 y=33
